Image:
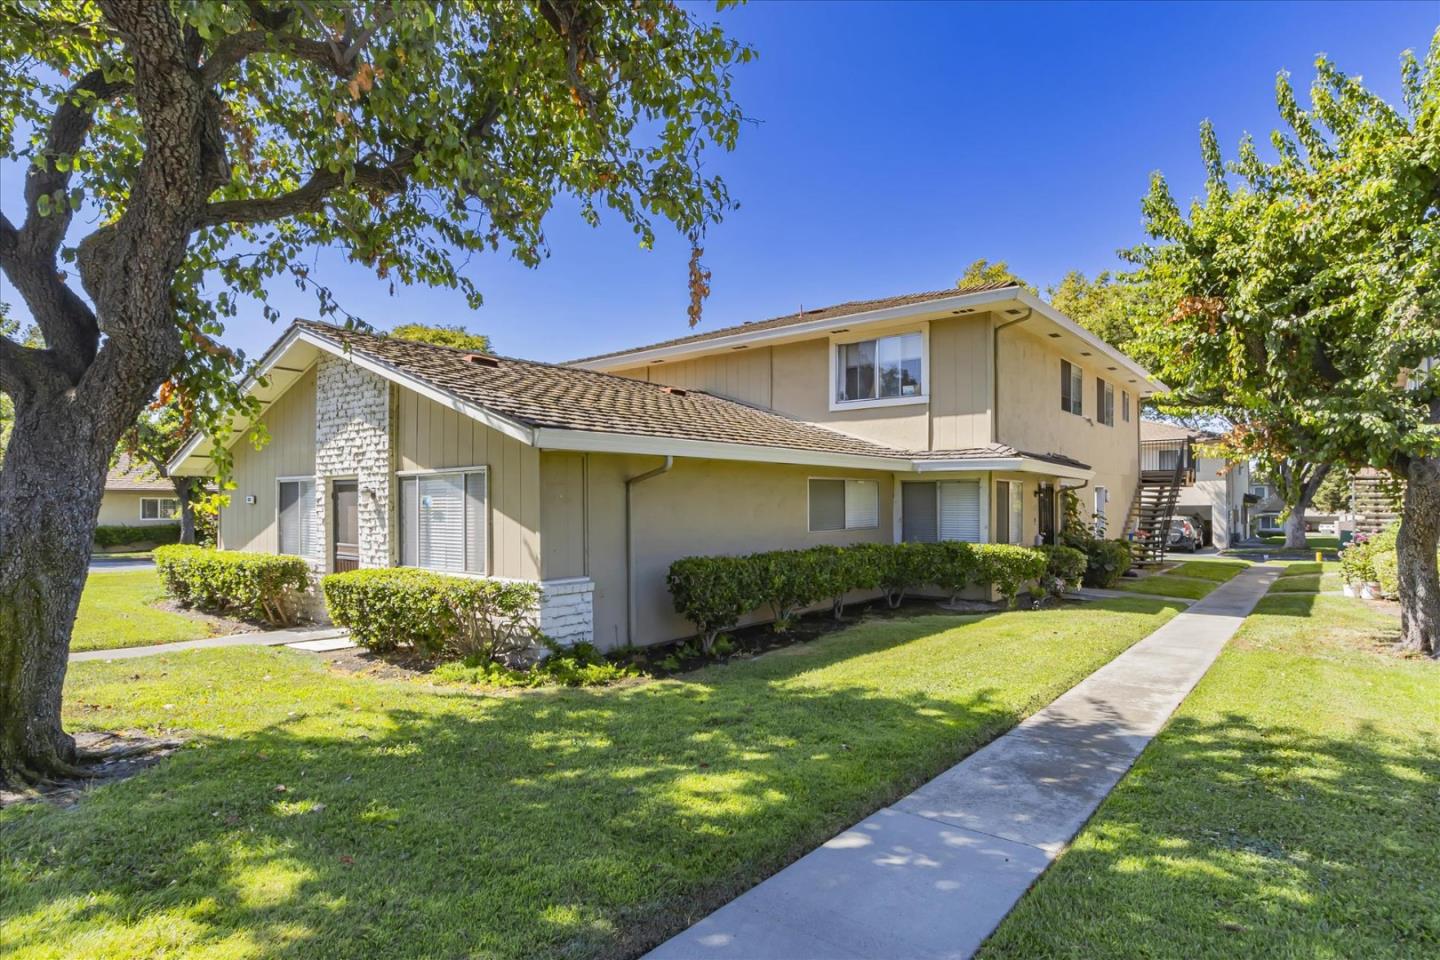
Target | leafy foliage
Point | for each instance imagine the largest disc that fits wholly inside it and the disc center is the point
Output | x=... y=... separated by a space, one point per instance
x=1106 y=306
x=982 y=273
x=1008 y=567
x=261 y=586
x=482 y=620
x=715 y=592
x=443 y=335
x=1064 y=567
x=581 y=665
x=119 y=535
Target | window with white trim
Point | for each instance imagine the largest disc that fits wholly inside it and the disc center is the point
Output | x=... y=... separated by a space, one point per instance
x=880 y=369
x=1104 y=402
x=159 y=508
x=295 y=519
x=844 y=505
x=943 y=510
x=444 y=521
x=1072 y=386
x=1009 y=511
x=1102 y=503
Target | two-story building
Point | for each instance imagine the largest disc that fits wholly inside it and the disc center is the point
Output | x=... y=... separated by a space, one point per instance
x=946 y=415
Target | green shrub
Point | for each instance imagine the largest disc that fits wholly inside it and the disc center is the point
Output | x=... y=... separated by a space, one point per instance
x=465 y=618
x=836 y=571
x=713 y=593
x=1106 y=561
x=952 y=566
x=1008 y=567
x=1387 y=573
x=261 y=586
x=1357 y=562
x=1064 y=567
x=902 y=567
x=783 y=581
x=579 y=666
x=122 y=535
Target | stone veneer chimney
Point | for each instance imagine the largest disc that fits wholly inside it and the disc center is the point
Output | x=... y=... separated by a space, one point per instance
x=352 y=440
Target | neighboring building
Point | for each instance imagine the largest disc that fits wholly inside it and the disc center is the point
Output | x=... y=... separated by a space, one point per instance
x=135 y=495
x=1218 y=493
x=949 y=415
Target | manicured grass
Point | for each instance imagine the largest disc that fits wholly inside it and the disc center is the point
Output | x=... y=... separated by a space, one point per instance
x=1312 y=542
x=1217 y=570
x=116 y=611
x=1287 y=811
x=1168 y=585
x=559 y=823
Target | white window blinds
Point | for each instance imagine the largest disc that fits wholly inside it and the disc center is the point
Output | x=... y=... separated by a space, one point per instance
x=844 y=505
x=444 y=522
x=960 y=510
x=862 y=505
x=296 y=518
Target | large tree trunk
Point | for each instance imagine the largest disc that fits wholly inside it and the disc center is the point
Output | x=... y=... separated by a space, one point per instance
x=184 y=490
x=50 y=489
x=1304 y=492
x=1415 y=549
x=1295 y=529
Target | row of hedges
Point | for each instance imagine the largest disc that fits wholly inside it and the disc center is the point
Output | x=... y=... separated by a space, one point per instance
x=120 y=535
x=259 y=586
x=714 y=593
x=467 y=618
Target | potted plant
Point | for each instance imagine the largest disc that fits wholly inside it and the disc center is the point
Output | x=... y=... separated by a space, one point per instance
x=1357 y=569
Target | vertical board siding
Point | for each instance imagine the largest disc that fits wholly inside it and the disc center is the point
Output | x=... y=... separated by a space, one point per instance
x=562 y=515
x=960 y=384
x=290 y=421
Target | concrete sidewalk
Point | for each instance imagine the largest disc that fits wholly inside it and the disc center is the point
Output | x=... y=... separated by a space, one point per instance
x=313 y=639
x=933 y=875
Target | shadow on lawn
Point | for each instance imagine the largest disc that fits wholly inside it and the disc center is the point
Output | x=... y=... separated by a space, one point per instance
x=1236 y=838
x=567 y=823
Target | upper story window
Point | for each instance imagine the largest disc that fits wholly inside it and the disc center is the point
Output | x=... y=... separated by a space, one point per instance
x=1072 y=385
x=886 y=368
x=1104 y=402
x=1125 y=405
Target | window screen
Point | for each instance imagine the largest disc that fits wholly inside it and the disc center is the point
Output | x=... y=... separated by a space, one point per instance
x=919 y=513
x=295 y=521
x=444 y=522
x=844 y=505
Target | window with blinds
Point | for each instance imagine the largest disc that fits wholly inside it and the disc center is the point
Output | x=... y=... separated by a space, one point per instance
x=944 y=510
x=1009 y=511
x=296 y=519
x=443 y=522
x=844 y=505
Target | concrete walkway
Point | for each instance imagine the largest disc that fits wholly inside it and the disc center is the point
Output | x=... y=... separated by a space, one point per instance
x=315 y=640
x=933 y=875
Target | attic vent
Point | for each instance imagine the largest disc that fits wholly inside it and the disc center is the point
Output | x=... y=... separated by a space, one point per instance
x=480 y=360
x=674 y=391
x=1084 y=353
x=841 y=330
x=1054 y=336
x=1013 y=313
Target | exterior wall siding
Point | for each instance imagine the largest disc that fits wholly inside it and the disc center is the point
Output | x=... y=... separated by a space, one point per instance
x=122 y=508
x=290 y=422
x=961 y=386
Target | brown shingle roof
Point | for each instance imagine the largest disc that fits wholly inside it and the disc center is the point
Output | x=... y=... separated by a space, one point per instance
x=547 y=395
x=805 y=316
x=1156 y=430
x=133 y=476
x=992 y=451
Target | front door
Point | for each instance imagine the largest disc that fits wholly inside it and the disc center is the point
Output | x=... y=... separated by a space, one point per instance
x=344 y=503
x=1046 y=512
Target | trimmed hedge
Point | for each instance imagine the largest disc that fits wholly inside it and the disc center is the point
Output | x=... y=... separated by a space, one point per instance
x=480 y=620
x=714 y=593
x=1106 y=561
x=120 y=535
x=1064 y=568
x=260 y=586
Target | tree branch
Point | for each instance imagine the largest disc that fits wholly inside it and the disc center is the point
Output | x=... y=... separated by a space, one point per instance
x=233 y=50
x=309 y=197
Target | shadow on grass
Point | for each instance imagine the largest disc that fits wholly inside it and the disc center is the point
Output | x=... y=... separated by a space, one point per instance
x=1240 y=838
x=563 y=823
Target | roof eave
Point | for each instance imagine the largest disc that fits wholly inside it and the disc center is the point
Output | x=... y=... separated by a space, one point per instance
x=1005 y=465
x=596 y=441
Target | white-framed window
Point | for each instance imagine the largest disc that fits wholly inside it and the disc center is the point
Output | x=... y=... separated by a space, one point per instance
x=156 y=509
x=1102 y=504
x=445 y=520
x=843 y=504
x=1125 y=405
x=891 y=369
x=1009 y=511
x=1072 y=388
x=1104 y=402
x=940 y=510
x=296 y=521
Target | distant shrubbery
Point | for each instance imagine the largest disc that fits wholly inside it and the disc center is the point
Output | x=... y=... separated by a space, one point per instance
x=714 y=593
x=121 y=535
x=1374 y=560
x=260 y=586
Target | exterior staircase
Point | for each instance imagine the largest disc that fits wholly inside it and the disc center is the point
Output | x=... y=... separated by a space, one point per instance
x=1375 y=506
x=1165 y=466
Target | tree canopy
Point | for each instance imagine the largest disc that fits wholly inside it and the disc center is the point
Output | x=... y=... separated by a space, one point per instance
x=1106 y=306
x=443 y=335
x=983 y=273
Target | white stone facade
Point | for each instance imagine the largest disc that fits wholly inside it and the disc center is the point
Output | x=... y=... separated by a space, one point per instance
x=352 y=440
x=567 y=610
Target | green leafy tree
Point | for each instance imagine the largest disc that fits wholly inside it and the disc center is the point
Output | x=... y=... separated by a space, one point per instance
x=213 y=144
x=1106 y=306
x=443 y=335
x=1304 y=298
x=1334 y=494
x=983 y=273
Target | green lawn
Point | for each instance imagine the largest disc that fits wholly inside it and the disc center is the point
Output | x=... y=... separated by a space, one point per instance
x=416 y=822
x=1289 y=810
x=1313 y=541
x=116 y=611
x=1308 y=577
x=1217 y=570
x=1166 y=585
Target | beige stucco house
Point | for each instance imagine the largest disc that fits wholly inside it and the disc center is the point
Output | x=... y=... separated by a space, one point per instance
x=135 y=496
x=1214 y=491
x=946 y=415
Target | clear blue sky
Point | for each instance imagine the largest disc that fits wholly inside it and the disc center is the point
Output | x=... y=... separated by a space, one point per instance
x=896 y=143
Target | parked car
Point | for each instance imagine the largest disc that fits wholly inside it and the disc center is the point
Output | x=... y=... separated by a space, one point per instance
x=1183 y=535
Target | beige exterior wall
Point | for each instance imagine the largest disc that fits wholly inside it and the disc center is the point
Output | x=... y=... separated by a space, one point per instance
x=743 y=375
x=701 y=507
x=122 y=508
x=1028 y=417
x=961 y=388
x=802 y=390
x=429 y=436
x=290 y=421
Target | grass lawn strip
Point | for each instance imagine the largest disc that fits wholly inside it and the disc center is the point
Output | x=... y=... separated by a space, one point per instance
x=116 y=610
x=1167 y=585
x=1288 y=810
x=321 y=815
x=1217 y=570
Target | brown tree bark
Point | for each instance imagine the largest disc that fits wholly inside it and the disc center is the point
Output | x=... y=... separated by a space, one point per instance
x=1303 y=482
x=1415 y=548
x=184 y=490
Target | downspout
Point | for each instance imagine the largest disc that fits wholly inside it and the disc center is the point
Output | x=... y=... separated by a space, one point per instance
x=630 y=482
x=995 y=375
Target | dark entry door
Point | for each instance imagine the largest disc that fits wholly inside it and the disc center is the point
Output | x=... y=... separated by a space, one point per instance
x=1046 y=512
x=344 y=501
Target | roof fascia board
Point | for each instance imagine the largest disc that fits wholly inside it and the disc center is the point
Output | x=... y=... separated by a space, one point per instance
x=907 y=311
x=1004 y=465
x=1073 y=328
x=593 y=441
